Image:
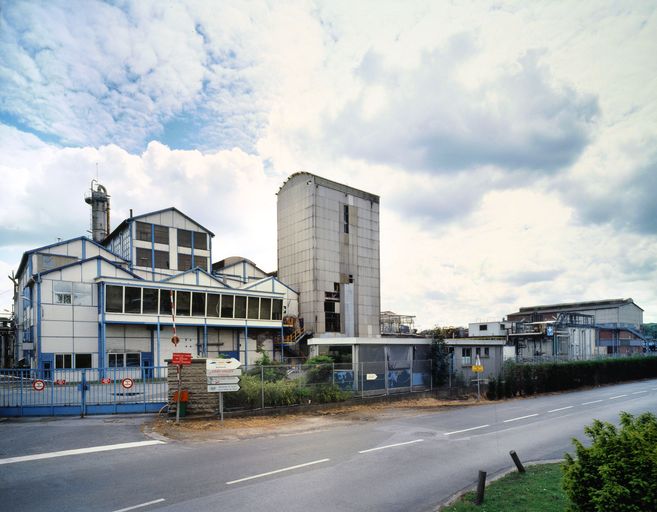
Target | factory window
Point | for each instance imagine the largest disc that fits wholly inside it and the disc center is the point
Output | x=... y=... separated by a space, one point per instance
x=161 y=259
x=166 y=298
x=144 y=257
x=149 y=301
x=160 y=234
x=466 y=356
x=265 y=309
x=183 y=303
x=184 y=261
x=486 y=352
x=63 y=292
x=329 y=306
x=332 y=322
x=214 y=309
x=130 y=359
x=201 y=261
x=184 y=238
x=200 y=241
x=240 y=306
x=143 y=231
x=277 y=309
x=83 y=360
x=133 y=359
x=198 y=304
x=132 y=299
x=82 y=294
x=254 y=308
x=345 y=215
x=114 y=299
x=483 y=327
x=63 y=361
x=227 y=306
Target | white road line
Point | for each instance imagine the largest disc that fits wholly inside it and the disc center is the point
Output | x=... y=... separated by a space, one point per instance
x=639 y=392
x=593 y=402
x=277 y=471
x=562 y=408
x=79 y=451
x=466 y=430
x=520 y=418
x=615 y=397
x=140 y=505
x=390 y=446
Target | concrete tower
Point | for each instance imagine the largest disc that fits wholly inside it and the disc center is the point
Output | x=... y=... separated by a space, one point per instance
x=328 y=250
x=100 y=211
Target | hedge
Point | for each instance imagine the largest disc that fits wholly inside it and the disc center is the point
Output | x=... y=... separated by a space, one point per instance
x=522 y=379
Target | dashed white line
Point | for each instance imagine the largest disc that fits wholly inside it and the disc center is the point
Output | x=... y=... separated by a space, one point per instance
x=520 y=418
x=140 y=505
x=277 y=471
x=639 y=392
x=466 y=430
x=562 y=408
x=78 y=451
x=390 y=446
x=593 y=402
x=615 y=397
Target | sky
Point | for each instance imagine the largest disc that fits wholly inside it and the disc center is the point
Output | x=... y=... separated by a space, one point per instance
x=513 y=144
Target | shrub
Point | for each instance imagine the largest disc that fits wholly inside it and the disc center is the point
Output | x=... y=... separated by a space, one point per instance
x=320 y=369
x=618 y=471
x=268 y=369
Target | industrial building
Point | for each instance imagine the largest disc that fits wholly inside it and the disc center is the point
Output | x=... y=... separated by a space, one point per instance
x=328 y=250
x=121 y=299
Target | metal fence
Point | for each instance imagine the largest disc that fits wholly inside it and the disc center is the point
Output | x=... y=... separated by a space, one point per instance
x=288 y=385
x=30 y=392
x=570 y=358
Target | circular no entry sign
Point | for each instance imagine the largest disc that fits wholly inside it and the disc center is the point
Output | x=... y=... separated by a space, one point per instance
x=127 y=383
x=39 y=385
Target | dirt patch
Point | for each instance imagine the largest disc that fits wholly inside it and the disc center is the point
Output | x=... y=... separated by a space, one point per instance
x=230 y=429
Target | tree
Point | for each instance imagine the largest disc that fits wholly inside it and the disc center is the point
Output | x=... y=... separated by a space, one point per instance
x=439 y=357
x=618 y=471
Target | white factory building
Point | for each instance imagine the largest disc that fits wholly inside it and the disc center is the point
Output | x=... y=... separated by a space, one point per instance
x=113 y=302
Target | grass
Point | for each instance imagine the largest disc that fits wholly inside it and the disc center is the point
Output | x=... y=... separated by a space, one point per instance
x=538 y=490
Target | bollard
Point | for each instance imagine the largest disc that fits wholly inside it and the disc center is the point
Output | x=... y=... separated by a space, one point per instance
x=516 y=460
x=481 y=487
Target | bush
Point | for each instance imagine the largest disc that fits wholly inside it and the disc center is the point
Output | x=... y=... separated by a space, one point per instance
x=321 y=368
x=618 y=471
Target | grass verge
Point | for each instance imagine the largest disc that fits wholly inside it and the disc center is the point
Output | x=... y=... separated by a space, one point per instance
x=538 y=490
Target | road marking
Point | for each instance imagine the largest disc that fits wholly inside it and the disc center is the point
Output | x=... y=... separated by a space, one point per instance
x=615 y=397
x=277 y=471
x=562 y=408
x=466 y=430
x=390 y=446
x=520 y=418
x=79 y=451
x=639 y=392
x=593 y=402
x=140 y=505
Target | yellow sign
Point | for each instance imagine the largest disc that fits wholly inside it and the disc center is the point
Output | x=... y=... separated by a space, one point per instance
x=478 y=368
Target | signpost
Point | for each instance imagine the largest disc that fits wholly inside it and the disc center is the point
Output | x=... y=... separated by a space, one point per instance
x=39 y=385
x=478 y=368
x=223 y=376
x=127 y=383
x=180 y=359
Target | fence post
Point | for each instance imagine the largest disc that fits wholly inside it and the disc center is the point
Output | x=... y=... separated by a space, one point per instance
x=262 y=387
x=481 y=487
x=333 y=374
x=21 y=401
x=362 y=388
x=83 y=389
x=411 y=373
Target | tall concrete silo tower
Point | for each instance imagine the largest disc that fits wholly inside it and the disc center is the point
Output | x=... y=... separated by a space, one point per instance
x=100 y=211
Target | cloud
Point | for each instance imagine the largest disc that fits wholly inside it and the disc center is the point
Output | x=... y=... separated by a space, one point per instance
x=426 y=119
x=533 y=276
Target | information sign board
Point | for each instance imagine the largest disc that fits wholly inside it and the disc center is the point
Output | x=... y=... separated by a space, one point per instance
x=182 y=358
x=223 y=380
x=222 y=388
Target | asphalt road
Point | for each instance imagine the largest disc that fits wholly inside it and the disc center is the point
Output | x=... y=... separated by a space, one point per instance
x=412 y=463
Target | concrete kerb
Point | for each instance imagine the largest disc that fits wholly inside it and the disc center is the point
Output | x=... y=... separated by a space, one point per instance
x=496 y=476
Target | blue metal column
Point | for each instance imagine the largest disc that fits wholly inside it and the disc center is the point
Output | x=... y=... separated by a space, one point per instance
x=246 y=344
x=102 y=333
x=38 y=340
x=158 y=342
x=205 y=338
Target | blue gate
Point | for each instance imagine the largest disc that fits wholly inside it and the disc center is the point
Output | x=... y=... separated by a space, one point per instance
x=55 y=392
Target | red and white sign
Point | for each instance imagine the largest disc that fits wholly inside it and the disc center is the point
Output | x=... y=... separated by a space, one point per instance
x=39 y=385
x=127 y=383
x=60 y=382
x=106 y=380
x=182 y=358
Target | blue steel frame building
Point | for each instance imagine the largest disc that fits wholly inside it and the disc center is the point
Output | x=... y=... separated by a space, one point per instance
x=108 y=304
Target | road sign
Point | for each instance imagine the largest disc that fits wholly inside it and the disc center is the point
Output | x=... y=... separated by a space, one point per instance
x=222 y=364
x=222 y=388
x=370 y=376
x=223 y=380
x=234 y=372
x=182 y=358
x=478 y=368
x=106 y=380
x=127 y=383
x=39 y=385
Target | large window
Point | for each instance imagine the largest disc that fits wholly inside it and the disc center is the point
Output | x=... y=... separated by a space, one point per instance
x=114 y=299
x=184 y=238
x=165 y=302
x=82 y=294
x=214 y=308
x=63 y=361
x=201 y=261
x=277 y=309
x=265 y=309
x=149 y=301
x=143 y=231
x=132 y=299
x=83 y=360
x=129 y=359
x=254 y=308
x=161 y=259
x=345 y=217
x=198 y=304
x=144 y=257
x=183 y=300
x=466 y=356
x=200 y=241
x=240 y=306
x=63 y=292
x=184 y=261
x=227 y=306
x=160 y=234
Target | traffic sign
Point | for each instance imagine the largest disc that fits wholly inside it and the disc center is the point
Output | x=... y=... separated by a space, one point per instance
x=182 y=358
x=222 y=388
x=127 y=383
x=223 y=380
x=370 y=376
x=39 y=385
x=478 y=368
x=222 y=364
x=234 y=372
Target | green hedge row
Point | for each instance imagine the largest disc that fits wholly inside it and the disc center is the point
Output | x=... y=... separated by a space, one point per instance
x=531 y=378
